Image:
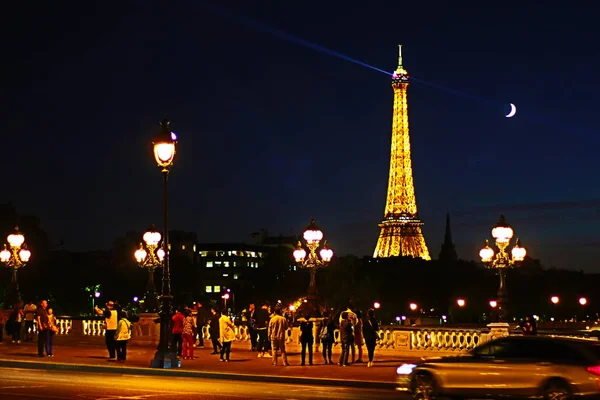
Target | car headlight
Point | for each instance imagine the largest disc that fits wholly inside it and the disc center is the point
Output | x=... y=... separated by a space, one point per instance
x=405 y=369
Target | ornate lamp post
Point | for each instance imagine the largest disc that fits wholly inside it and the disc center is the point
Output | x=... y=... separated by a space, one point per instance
x=501 y=261
x=311 y=261
x=164 y=154
x=150 y=255
x=15 y=256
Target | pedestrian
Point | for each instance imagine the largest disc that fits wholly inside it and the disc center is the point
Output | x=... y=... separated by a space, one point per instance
x=251 y=323
x=370 y=333
x=307 y=339
x=42 y=326
x=189 y=327
x=111 y=318
x=215 y=331
x=29 y=311
x=347 y=338
x=50 y=331
x=277 y=329
x=122 y=336
x=358 y=337
x=262 y=326
x=326 y=331
x=15 y=320
x=176 y=333
x=227 y=329
x=202 y=315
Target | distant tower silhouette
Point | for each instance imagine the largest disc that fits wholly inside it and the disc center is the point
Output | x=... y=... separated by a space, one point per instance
x=401 y=233
x=448 y=252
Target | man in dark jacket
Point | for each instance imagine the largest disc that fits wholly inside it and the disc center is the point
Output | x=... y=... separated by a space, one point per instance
x=307 y=339
x=215 y=331
x=262 y=323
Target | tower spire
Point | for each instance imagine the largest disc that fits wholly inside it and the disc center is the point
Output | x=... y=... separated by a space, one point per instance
x=448 y=251
x=400 y=72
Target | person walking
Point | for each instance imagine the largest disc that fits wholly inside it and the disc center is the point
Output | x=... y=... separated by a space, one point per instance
x=370 y=332
x=307 y=340
x=122 y=336
x=277 y=328
x=227 y=329
x=111 y=318
x=251 y=323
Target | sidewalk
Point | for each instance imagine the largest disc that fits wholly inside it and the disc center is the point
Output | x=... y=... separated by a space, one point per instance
x=92 y=356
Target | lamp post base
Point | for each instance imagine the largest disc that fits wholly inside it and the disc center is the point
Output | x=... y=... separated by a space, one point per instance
x=165 y=360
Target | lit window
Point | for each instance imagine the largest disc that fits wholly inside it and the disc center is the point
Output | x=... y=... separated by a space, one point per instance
x=235 y=276
x=203 y=253
x=220 y=254
x=260 y=255
x=226 y=264
x=183 y=247
x=217 y=289
x=208 y=289
x=249 y=264
x=252 y=254
x=225 y=275
x=218 y=263
x=235 y=264
x=194 y=248
x=209 y=264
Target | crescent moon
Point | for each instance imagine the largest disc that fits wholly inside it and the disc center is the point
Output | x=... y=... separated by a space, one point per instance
x=513 y=111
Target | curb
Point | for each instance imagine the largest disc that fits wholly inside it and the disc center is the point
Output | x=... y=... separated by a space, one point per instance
x=8 y=363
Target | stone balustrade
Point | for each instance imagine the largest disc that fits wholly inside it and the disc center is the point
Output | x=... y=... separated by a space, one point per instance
x=418 y=341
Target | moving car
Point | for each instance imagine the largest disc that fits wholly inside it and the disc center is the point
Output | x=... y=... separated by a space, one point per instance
x=520 y=366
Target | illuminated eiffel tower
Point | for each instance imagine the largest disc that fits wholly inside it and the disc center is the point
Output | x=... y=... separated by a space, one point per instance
x=401 y=233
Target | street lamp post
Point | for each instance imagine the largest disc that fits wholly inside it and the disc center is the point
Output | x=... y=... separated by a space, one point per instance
x=15 y=256
x=164 y=154
x=150 y=255
x=501 y=261
x=311 y=261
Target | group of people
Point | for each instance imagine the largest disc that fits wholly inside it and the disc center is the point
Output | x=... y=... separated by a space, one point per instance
x=117 y=330
x=23 y=322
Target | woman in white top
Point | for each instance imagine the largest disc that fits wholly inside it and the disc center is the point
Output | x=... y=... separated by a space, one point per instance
x=122 y=336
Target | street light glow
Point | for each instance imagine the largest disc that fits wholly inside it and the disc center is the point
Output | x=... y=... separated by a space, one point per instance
x=583 y=301
x=413 y=306
x=376 y=305
x=461 y=302
x=555 y=299
x=493 y=303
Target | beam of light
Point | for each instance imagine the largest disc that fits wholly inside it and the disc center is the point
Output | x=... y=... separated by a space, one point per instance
x=259 y=26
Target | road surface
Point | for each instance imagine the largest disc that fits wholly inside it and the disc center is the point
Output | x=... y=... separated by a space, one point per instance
x=22 y=384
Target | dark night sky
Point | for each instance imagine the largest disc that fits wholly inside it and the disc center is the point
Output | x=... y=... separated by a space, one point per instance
x=273 y=133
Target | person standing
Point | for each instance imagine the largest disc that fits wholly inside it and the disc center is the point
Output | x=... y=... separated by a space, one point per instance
x=122 y=336
x=215 y=331
x=347 y=338
x=42 y=325
x=177 y=331
x=358 y=336
x=326 y=330
x=307 y=340
x=370 y=330
x=262 y=325
x=111 y=318
x=15 y=320
x=29 y=311
x=251 y=321
x=189 y=327
x=51 y=330
x=227 y=329
x=202 y=316
x=277 y=329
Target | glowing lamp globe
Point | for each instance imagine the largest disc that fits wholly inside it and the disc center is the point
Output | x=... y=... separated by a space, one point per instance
x=24 y=254
x=554 y=299
x=226 y=296
x=461 y=302
x=160 y=253
x=413 y=306
x=326 y=253
x=518 y=252
x=292 y=308
x=152 y=237
x=493 y=303
x=486 y=253
x=4 y=255
x=312 y=233
x=164 y=146
x=140 y=254
x=502 y=232
x=583 y=301
x=16 y=239
x=299 y=253
x=376 y=305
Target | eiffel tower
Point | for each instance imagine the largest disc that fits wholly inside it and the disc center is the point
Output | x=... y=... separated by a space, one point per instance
x=401 y=233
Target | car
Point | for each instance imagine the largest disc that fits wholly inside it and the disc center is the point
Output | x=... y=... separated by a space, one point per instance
x=519 y=366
